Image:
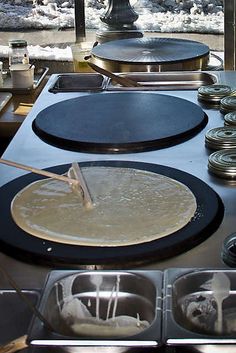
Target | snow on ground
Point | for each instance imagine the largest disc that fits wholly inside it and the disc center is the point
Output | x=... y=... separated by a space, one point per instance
x=205 y=16
x=199 y=16
x=42 y=53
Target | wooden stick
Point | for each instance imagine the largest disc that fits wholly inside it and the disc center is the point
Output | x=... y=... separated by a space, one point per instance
x=15 y=345
x=124 y=81
x=41 y=172
x=79 y=176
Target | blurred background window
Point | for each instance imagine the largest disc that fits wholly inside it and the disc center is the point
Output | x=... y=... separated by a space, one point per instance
x=48 y=26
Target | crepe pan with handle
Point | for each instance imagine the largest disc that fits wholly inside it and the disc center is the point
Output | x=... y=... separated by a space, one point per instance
x=17 y=243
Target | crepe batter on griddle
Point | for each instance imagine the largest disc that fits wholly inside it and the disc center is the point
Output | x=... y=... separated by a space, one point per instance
x=130 y=207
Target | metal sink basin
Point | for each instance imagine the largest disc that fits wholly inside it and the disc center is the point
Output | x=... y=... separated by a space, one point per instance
x=167 y=81
x=15 y=315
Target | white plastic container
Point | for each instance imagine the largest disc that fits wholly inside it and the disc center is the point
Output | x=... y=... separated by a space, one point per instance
x=22 y=76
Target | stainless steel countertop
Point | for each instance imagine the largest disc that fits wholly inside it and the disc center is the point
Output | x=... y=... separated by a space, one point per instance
x=190 y=156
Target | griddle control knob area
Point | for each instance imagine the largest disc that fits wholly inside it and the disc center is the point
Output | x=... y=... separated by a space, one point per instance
x=229 y=250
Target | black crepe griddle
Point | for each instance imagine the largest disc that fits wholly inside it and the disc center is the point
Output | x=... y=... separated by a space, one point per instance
x=17 y=243
x=120 y=122
x=150 y=51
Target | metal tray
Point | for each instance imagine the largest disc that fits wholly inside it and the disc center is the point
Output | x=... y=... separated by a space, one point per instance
x=166 y=81
x=78 y=83
x=137 y=292
x=15 y=314
x=190 y=310
x=39 y=74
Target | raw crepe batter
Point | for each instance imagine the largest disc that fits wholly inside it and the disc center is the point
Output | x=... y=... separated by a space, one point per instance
x=131 y=206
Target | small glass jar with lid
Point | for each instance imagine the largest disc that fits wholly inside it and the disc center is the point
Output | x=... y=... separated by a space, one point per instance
x=18 y=52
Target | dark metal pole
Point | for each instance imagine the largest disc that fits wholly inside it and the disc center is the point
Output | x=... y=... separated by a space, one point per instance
x=119 y=21
x=79 y=21
x=229 y=34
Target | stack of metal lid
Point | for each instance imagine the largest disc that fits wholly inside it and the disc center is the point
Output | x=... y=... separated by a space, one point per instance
x=230 y=119
x=223 y=163
x=213 y=93
x=229 y=250
x=221 y=137
x=228 y=104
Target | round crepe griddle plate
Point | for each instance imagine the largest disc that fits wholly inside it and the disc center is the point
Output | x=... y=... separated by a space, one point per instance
x=150 y=51
x=15 y=242
x=121 y=122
